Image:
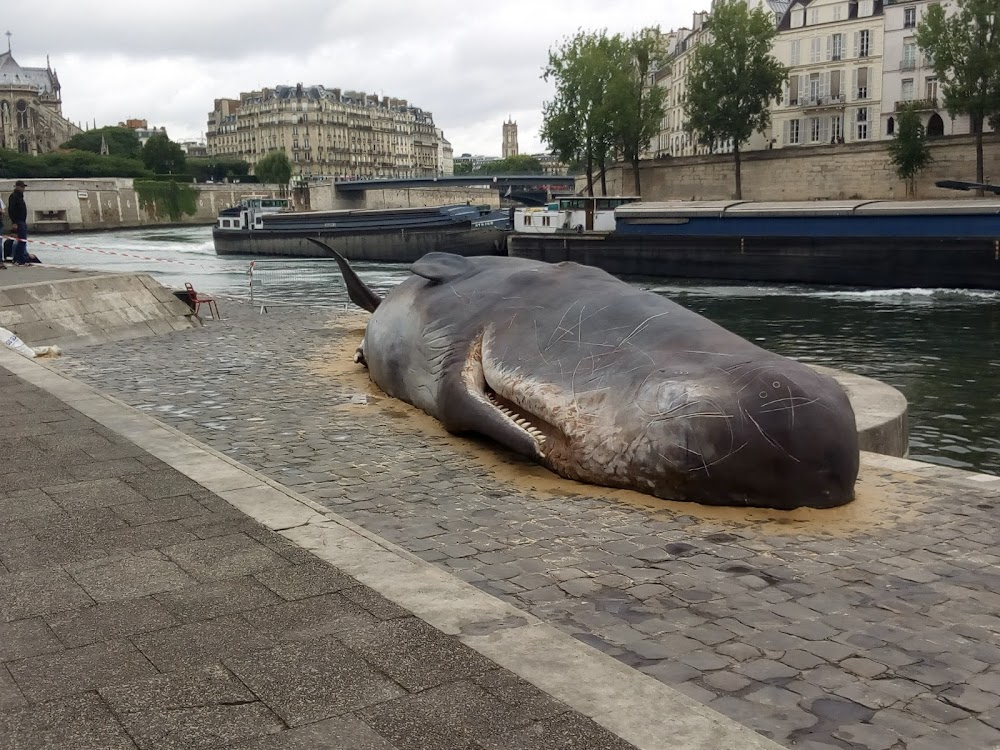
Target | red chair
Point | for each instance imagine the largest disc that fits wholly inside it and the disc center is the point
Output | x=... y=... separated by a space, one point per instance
x=197 y=300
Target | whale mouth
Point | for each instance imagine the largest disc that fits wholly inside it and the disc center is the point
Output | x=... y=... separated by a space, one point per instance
x=508 y=415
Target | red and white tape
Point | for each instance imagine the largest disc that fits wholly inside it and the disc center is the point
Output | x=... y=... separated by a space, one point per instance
x=99 y=251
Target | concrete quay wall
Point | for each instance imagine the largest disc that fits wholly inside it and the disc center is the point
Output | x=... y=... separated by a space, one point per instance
x=64 y=205
x=850 y=171
x=91 y=309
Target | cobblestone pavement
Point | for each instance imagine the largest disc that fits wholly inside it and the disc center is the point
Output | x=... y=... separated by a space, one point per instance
x=138 y=610
x=881 y=633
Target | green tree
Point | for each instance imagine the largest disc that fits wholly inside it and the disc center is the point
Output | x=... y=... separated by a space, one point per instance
x=122 y=142
x=520 y=164
x=965 y=52
x=734 y=79
x=163 y=156
x=633 y=106
x=67 y=164
x=216 y=169
x=575 y=124
x=909 y=151
x=463 y=167
x=274 y=169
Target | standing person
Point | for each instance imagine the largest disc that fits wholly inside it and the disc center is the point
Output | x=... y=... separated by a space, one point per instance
x=17 y=209
x=3 y=251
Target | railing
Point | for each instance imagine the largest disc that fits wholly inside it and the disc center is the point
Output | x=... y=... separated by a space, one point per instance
x=917 y=104
x=907 y=64
x=824 y=101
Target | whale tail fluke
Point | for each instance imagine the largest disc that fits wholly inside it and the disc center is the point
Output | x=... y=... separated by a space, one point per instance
x=357 y=290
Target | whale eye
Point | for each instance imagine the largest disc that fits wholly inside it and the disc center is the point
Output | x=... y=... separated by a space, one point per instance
x=776 y=384
x=763 y=394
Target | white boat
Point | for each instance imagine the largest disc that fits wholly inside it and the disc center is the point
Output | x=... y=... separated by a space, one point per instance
x=571 y=214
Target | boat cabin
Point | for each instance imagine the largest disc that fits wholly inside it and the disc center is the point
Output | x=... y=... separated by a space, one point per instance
x=575 y=213
x=250 y=212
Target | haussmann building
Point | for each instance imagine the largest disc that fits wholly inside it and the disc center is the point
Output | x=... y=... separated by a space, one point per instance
x=329 y=134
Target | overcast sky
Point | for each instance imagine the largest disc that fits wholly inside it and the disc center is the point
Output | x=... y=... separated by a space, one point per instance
x=470 y=63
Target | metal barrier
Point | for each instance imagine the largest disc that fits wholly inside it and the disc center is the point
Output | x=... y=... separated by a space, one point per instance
x=316 y=282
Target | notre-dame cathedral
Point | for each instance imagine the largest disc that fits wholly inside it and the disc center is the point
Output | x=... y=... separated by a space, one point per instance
x=31 y=119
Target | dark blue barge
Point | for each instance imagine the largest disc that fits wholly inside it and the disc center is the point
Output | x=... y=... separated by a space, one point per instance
x=887 y=244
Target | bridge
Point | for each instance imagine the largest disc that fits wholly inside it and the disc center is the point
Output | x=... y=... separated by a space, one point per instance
x=531 y=189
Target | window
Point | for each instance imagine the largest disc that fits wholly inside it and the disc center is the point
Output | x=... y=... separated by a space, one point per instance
x=814 y=47
x=909 y=18
x=838 y=12
x=837 y=127
x=813 y=16
x=792 y=134
x=796 y=52
x=22 y=116
x=798 y=17
x=861 y=83
x=865 y=8
x=793 y=91
x=931 y=89
x=907 y=90
x=861 y=119
x=909 y=55
x=814 y=130
x=863 y=42
x=814 y=88
x=835 y=92
x=835 y=48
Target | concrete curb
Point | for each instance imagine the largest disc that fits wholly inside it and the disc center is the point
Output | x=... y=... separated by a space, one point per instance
x=636 y=707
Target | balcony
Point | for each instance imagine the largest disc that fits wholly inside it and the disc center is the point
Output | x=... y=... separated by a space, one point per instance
x=823 y=102
x=908 y=64
x=921 y=105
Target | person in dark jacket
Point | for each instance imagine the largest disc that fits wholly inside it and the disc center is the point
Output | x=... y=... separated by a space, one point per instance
x=17 y=210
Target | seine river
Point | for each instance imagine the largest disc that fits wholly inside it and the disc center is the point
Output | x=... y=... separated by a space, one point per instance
x=939 y=347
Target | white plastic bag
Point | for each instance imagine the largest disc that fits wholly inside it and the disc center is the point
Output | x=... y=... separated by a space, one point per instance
x=11 y=341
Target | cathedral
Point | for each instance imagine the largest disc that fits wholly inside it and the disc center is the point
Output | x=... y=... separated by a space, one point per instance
x=31 y=119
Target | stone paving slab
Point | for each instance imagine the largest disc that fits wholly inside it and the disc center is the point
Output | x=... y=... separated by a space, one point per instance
x=802 y=630
x=175 y=621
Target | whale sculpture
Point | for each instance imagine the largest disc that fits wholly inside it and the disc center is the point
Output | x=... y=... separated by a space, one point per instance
x=604 y=383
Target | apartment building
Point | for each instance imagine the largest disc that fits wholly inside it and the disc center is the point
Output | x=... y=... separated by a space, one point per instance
x=908 y=78
x=328 y=133
x=833 y=49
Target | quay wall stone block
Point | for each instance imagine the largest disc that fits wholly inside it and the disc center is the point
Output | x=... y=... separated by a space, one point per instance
x=858 y=171
x=101 y=308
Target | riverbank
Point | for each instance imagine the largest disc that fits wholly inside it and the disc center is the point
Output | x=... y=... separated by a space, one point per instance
x=865 y=624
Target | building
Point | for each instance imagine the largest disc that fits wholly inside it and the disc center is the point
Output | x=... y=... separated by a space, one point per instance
x=31 y=119
x=327 y=133
x=194 y=149
x=446 y=156
x=908 y=78
x=475 y=163
x=551 y=165
x=509 y=139
x=675 y=139
x=833 y=49
x=142 y=130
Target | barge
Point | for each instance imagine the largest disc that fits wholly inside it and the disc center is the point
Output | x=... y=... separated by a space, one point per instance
x=886 y=244
x=265 y=227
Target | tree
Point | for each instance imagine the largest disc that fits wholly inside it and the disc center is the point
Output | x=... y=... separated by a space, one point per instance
x=520 y=164
x=575 y=124
x=463 y=167
x=909 y=150
x=163 y=156
x=216 y=169
x=965 y=52
x=122 y=142
x=274 y=169
x=633 y=107
x=734 y=79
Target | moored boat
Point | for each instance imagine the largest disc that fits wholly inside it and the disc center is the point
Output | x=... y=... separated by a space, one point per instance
x=266 y=227
x=889 y=244
x=575 y=213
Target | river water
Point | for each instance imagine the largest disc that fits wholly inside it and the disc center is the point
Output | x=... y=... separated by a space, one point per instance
x=939 y=347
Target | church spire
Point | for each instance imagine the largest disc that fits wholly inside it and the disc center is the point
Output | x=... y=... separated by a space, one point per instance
x=8 y=35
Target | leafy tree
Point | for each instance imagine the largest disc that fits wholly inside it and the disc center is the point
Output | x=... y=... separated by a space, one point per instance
x=463 y=167
x=274 y=169
x=575 y=123
x=162 y=155
x=122 y=142
x=67 y=164
x=633 y=109
x=909 y=150
x=734 y=79
x=520 y=164
x=965 y=53
x=217 y=170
